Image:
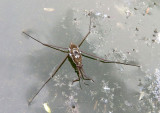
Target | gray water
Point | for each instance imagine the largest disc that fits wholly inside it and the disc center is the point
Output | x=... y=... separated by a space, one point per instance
x=122 y=30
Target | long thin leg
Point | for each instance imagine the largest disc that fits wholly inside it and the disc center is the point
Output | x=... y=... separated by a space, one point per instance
x=88 y=31
x=50 y=46
x=78 y=79
x=81 y=74
x=48 y=79
x=58 y=65
x=85 y=77
x=105 y=61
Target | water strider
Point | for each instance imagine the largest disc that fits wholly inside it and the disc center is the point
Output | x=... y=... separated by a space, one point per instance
x=76 y=55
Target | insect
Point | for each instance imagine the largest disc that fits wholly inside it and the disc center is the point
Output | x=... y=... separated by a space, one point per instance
x=76 y=55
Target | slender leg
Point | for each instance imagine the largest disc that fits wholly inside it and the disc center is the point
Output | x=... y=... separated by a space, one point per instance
x=105 y=61
x=30 y=100
x=50 y=46
x=85 y=77
x=78 y=79
x=88 y=31
x=80 y=85
x=81 y=74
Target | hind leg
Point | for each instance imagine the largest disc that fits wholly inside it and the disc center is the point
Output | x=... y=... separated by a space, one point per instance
x=85 y=77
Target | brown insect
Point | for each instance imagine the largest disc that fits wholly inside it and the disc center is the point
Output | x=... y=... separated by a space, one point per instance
x=76 y=55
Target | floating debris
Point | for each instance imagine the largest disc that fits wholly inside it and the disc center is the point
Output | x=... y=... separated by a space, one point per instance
x=155 y=31
x=98 y=13
x=95 y=105
x=147 y=10
x=141 y=95
x=137 y=29
x=102 y=15
x=46 y=107
x=135 y=9
x=158 y=38
x=128 y=13
x=48 y=9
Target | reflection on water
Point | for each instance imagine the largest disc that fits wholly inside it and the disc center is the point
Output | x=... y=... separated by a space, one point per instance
x=122 y=30
x=118 y=88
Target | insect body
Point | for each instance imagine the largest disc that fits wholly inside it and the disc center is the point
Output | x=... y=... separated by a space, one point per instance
x=75 y=54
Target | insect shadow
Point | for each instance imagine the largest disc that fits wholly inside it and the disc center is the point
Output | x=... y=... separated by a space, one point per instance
x=75 y=55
